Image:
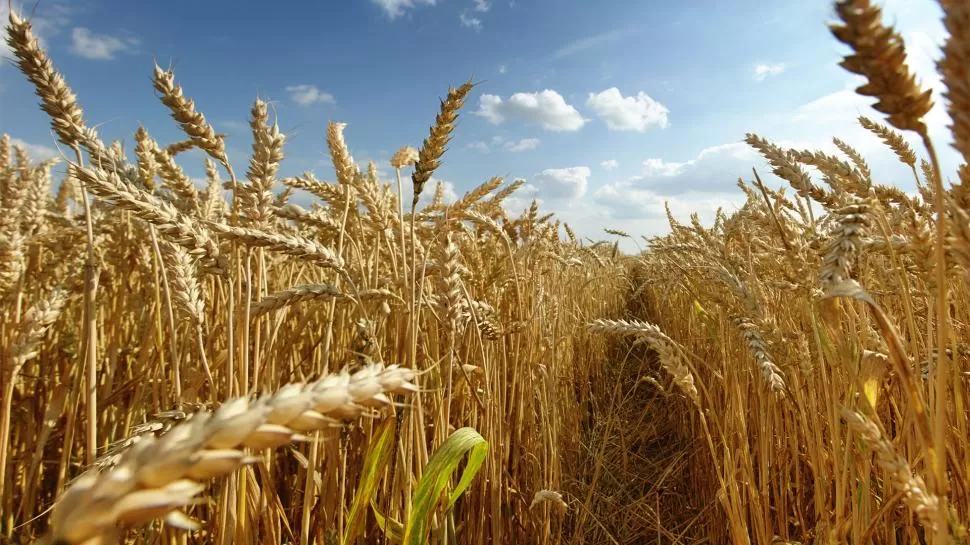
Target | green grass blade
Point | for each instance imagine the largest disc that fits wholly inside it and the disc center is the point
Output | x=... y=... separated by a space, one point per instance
x=376 y=460
x=434 y=482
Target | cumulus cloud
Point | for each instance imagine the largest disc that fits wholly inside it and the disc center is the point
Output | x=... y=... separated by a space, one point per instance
x=762 y=71
x=546 y=108
x=306 y=95
x=632 y=113
x=562 y=184
x=609 y=164
x=397 y=8
x=98 y=47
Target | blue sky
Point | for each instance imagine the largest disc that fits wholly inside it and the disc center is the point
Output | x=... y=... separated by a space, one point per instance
x=607 y=109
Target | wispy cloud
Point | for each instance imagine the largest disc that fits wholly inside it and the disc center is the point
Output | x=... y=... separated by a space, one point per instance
x=762 y=71
x=36 y=152
x=502 y=69
x=591 y=41
x=98 y=47
x=470 y=21
x=397 y=8
x=525 y=144
x=306 y=95
x=609 y=164
x=482 y=5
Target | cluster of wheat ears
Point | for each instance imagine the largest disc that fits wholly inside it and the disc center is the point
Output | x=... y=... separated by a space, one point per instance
x=221 y=365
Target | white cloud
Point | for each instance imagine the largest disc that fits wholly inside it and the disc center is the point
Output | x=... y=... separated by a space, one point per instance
x=609 y=164
x=630 y=201
x=470 y=21
x=562 y=184
x=396 y=8
x=36 y=152
x=502 y=69
x=306 y=95
x=482 y=5
x=524 y=144
x=628 y=113
x=546 y=108
x=762 y=71
x=478 y=145
x=715 y=170
x=98 y=47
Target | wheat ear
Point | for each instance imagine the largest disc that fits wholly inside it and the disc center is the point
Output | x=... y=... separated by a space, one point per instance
x=157 y=477
x=434 y=146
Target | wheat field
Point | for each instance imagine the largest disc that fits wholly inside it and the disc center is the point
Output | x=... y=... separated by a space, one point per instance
x=185 y=364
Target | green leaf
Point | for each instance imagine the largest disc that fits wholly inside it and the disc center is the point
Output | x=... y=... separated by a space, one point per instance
x=374 y=463
x=393 y=529
x=434 y=481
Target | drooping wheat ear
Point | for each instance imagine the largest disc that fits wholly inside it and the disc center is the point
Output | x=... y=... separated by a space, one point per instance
x=915 y=493
x=156 y=477
x=669 y=352
x=318 y=218
x=787 y=169
x=880 y=56
x=294 y=295
x=892 y=139
x=194 y=124
x=772 y=374
x=434 y=146
x=292 y=245
x=845 y=244
x=176 y=226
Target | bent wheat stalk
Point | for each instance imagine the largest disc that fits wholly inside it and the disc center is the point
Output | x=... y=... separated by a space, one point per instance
x=156 y=477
